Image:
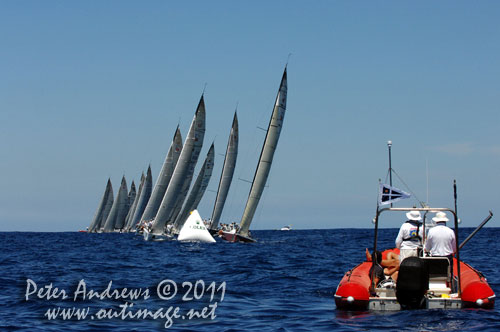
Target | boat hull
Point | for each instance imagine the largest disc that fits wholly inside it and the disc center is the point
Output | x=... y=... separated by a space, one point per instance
x=149 y=236
x=235 y=237
x=476 y=292
x=353 y=291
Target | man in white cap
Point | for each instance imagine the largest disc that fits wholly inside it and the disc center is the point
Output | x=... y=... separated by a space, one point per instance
x=441 y=239
x=409 y=238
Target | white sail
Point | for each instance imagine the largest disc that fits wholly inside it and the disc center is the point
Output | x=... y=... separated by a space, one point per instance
x=102 y=208
x=118 y=210
x=195 y=230
x=164 y=177
x=144 y=196
x=184 y=169
x=266 y=157
x=133 y=207
x=227 y=173
x=199 y=187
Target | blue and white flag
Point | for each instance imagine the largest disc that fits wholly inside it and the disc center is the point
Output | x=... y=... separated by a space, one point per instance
x=388 y=194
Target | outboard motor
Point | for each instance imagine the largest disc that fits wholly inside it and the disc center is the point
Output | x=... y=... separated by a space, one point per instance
x=413 y=282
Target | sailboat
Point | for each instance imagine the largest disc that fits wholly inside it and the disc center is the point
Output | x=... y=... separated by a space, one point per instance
x=103 y=209
x=199 y=187
x=227 y=174
x=185 y=187
x=263 y=167
x=153 y=203
x=143 y=198
x=119 y=209
x=183 y=173
x=133 y=198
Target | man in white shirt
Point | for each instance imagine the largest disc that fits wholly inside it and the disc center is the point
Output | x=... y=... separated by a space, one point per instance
x=409 y=237
x=441 y=239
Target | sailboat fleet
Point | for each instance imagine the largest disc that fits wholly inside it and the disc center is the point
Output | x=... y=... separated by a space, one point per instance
x=169 y=208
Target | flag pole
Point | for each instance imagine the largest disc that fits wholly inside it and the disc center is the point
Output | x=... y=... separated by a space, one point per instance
x=455 y=195
x=457 y=253
x=375 y=238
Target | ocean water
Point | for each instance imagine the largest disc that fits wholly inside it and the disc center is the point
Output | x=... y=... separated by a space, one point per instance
x=284 y=282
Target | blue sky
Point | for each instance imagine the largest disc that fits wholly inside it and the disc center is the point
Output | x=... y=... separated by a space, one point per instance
x=95 y=89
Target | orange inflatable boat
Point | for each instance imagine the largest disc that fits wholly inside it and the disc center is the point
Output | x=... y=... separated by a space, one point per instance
x=353 y=291
x=421 y=282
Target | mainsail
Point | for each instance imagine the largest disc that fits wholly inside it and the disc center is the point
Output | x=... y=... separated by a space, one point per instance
x=227 y=173
x=133 y=207
x=103 y=208
x=199 y=187
x=184 y=169
x=164 y=177
x=266 y=157
x=144 y=196
x=107 y=210
x=118 y=210
x=132 y=201
x=185 y=186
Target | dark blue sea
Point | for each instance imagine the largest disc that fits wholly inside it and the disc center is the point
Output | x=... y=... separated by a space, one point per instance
x=284 y=282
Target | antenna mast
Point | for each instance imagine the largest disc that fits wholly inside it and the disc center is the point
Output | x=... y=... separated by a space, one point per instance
x=389 y=145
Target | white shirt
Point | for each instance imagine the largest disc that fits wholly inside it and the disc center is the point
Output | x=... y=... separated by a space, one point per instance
x=440 y=241
x=407 y=230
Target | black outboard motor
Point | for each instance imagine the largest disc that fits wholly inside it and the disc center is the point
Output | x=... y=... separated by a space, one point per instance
x=413 y=282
